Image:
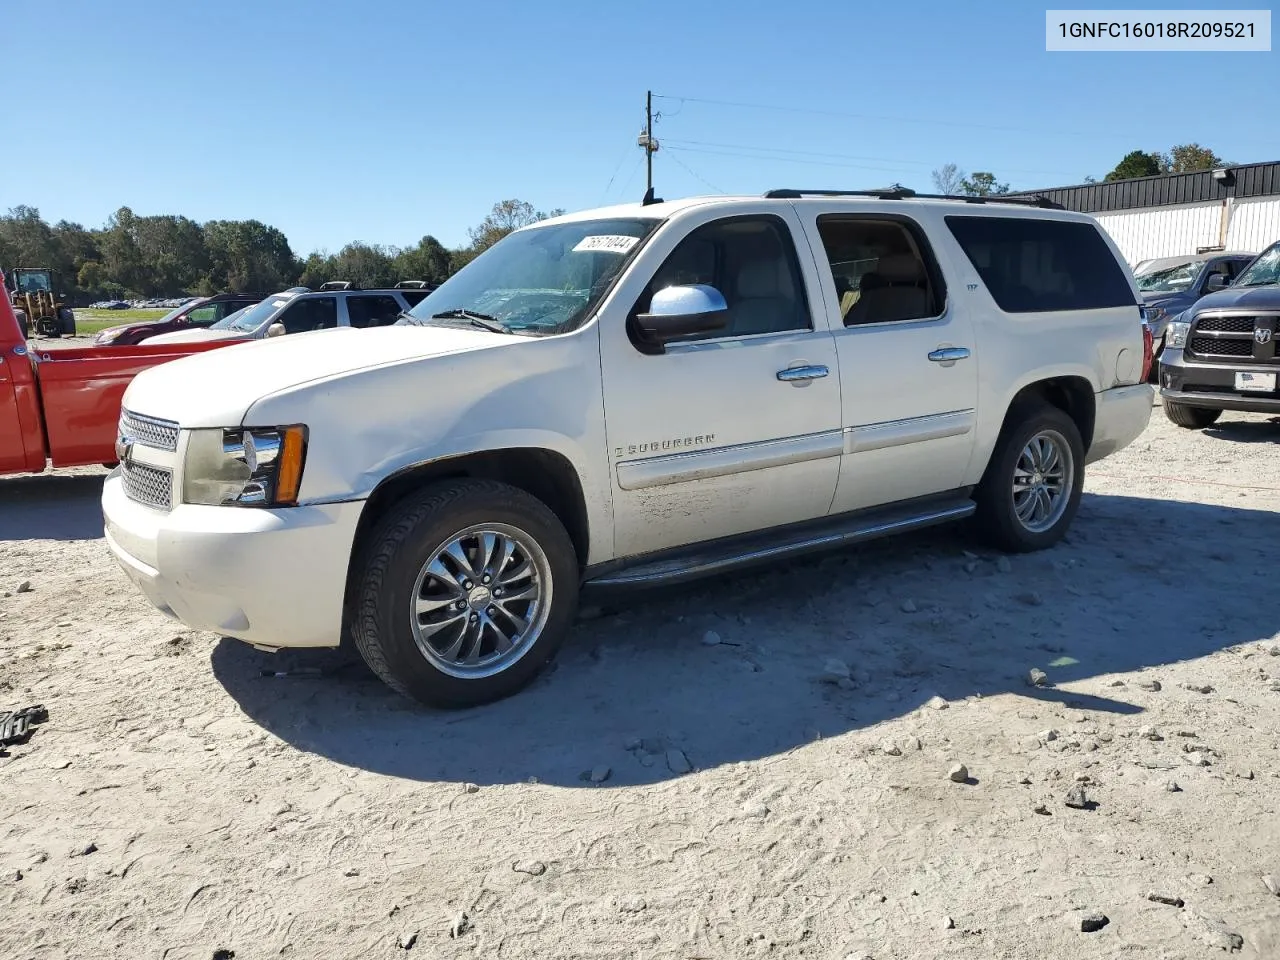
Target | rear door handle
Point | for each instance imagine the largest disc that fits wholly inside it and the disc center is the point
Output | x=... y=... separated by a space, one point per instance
x=802 y=375
x=949 y=354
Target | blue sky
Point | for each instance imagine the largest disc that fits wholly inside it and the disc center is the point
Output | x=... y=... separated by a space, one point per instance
x=388 y=119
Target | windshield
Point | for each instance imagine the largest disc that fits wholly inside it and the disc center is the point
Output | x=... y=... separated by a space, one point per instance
x=251 y=318
x=1173 y=279
x=1264 y=270
x=538 y=281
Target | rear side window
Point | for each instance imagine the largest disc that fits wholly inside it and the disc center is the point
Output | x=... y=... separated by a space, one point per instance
x=1035 y=266
x=372 y=310
x=316 y=313
x=414 y=297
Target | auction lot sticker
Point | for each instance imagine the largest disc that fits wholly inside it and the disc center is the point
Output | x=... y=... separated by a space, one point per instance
x=605 y=243
x=1156 y=30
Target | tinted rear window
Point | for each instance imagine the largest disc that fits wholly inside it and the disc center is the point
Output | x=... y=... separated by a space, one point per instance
x=1034 y=266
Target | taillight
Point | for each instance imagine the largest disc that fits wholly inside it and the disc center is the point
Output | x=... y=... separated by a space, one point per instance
x=1148 y=351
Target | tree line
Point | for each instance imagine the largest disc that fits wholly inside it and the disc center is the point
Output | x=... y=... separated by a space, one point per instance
x=1183 y=158
x=169 y=255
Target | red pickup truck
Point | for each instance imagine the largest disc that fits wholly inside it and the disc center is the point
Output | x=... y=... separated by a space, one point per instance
x=63 y=406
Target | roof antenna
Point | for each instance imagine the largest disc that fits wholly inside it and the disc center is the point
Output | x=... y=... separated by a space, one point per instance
x=650 y=146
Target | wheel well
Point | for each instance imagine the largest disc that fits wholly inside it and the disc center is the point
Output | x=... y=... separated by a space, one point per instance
x=541 y=473
x=1072 y=395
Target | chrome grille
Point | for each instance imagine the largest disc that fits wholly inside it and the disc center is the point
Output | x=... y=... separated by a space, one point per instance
x=1226 y=324
x=1221 y=347
x=152 y=486
x=148 y=431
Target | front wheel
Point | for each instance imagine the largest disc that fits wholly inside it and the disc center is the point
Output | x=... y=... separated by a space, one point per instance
x=1031 y=490
x=464 y=593
x=1193 y=418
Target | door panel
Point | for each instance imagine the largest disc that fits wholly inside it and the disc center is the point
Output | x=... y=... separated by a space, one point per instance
x=908 y=364
x=717 y=437
x=13 y=454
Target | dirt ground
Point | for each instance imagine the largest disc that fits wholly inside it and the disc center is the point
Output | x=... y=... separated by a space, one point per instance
x=180 y=804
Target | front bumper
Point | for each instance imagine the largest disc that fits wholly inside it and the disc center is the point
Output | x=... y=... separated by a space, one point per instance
x=1120 y=416
x=273 y=578
x=1213 y=385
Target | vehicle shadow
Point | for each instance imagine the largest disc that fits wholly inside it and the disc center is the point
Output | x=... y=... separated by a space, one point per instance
x=51 y=506
x=913 y=618
x=1246 y=431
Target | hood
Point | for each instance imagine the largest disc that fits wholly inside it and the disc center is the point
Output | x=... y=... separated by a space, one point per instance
x=1166 y=299
x=1242 y=298
x=199 y=336
x=216 y=388
x=118 y=329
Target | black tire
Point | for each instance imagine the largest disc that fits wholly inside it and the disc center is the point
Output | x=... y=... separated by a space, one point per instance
x=24 y=323
x=996 y=518
x=49 y=327
x=387 y=571
x=1193 y=418
x=67 y=321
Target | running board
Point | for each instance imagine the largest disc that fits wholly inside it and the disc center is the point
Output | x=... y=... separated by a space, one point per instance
x=760 y=549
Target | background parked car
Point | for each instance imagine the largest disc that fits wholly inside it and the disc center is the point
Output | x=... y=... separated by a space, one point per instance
x=197 y=314
x=1170 y=285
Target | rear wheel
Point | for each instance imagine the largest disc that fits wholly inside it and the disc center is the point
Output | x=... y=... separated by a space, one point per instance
x=464 y=593
x=1031 y=491
x=49 y=327
x=1193 y=418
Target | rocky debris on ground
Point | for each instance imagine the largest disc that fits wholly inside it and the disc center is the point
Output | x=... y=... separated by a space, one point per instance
x=1151 y=685
x=936 y=703
x=1037 y=677
x=24 y=586
x=948 y=923
x=85 y=850
x=632 y=904
x=407 y=939
x=1077 y=799
x=1149 y=733
x=1210 y=932
x=599 y=774
x=912 y=745
x=958 y=773
x=710 y=639
x=1043 y=810
x=834 y=671
x=1093 y=922
x=1003 y=565
x=471 y=788
x=1198 y=687
x=889 y=748
x=909 y=606
x=1269 y=880
x=1165 y=899
x=755 y=810
x=1172 y=786
x=459 y=925
x=534 y=868
x=1030 y=598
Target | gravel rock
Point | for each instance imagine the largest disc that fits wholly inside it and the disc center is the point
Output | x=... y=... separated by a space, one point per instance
x=1003 y=565
x=1149 y=733
x=1116 y=683
x=632 y=904
x=912 y=745
x=633 y=743
x=85 y=850
x=936 y=703
x=833 y=671
x=958 y=773
x=1037 y=677
x=1152 y=685
x=1043 y=810
x=847 y=684
x=909 y=606
x=1076 y=798
x=1047 y=736
x=407 y=939
x=710 y=639
x=890 y=749
x=755 y=810
x=948 y=923
x=600 y=774
x=17 y=875
x=471 y=788
x=1172 y=786
x=1269 y=880
x=534 y=868
x=1031 y=598
x=1198 y=687
x=677 y=762
x=1212 y=933
x=459 y=925
x=24 y=586
x=971 y=566
x=1166 y=900
x=1093 y=922
x=351 y=872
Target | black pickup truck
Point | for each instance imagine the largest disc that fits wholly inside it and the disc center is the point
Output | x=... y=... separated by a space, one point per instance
x=1220 y=354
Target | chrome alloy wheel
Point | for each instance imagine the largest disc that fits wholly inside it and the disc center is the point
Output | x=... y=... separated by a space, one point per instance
x=481 y=601
x=1042 y=480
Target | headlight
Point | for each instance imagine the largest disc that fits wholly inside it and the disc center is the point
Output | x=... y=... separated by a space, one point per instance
x=107 y=336
x=252 y=467
x=1176 y=335
x=1157 y=314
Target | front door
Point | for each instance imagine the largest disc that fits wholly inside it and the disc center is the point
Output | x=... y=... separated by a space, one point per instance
x=13 y=454
x=908 y=363
x=734 y=431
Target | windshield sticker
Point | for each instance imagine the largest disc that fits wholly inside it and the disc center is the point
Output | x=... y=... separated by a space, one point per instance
x=606 y=243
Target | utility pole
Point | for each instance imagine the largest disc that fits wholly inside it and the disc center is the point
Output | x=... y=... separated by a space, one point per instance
x=648 y=144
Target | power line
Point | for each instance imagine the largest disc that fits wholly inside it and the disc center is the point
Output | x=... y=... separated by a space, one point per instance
x=1124 y=134
x=693 y=174
x=801 y=160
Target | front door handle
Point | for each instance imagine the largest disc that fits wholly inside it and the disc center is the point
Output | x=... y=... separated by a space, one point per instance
x=802 y=375
x=949 y=354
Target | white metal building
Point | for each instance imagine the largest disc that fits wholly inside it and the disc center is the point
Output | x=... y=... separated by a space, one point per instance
x=1234 y=208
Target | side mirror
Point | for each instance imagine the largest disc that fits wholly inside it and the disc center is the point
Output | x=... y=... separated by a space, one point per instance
x=677 y=312
x=276 y=330
x=1216 y=281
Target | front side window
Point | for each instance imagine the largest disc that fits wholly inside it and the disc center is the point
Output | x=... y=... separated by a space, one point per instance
x=372 y=310
x=314 y=313
x=881 y=270
x=1036 y=266
x=538 y=281
x=252 y=317
x=203 y=316
x=1264 y=270
x=1170 y=279
x=752 y=262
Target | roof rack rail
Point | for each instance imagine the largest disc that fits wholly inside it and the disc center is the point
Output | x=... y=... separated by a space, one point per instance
x=337 y=285
x=412 y=285
x=904 y=193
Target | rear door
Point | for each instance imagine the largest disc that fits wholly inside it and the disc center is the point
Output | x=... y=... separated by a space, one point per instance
x=372 y=309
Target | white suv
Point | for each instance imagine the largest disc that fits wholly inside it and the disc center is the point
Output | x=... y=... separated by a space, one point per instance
x=627 y=397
